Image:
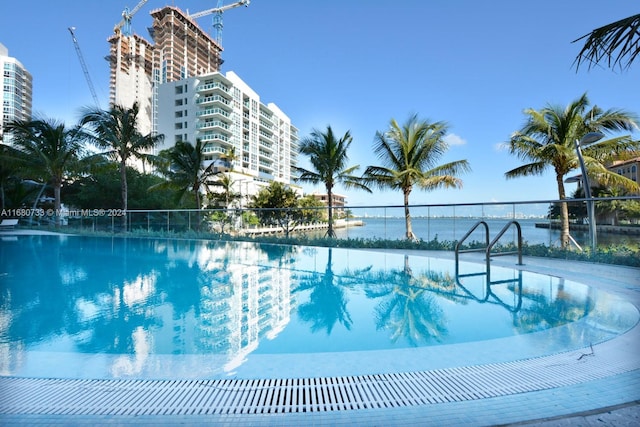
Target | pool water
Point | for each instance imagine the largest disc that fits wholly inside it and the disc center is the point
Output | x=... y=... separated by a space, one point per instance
x=130 y=306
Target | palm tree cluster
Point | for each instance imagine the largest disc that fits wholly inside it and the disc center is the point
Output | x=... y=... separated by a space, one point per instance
x=43 y=149
x=409 y=154
x=47 y=152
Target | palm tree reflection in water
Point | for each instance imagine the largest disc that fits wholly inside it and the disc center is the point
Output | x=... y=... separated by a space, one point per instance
x=327 y=305
x=409 y=308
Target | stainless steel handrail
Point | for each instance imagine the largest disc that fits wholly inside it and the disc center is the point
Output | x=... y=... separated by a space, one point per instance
x=500 y=234
x=471 y=230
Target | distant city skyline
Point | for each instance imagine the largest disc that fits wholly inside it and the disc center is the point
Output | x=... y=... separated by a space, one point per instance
x=354 y=65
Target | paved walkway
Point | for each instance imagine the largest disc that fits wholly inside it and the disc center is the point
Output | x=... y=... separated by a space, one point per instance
x=607 y=401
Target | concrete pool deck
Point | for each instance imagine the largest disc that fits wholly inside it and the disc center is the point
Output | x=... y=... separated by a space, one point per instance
x=610 y=398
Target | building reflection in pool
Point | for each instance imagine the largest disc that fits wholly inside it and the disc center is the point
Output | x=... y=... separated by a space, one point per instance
x=132 y=298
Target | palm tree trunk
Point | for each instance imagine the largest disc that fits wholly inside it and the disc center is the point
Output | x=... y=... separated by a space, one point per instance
x=564 y=213
x=199 y=215
x=407 y=216
x=57 y=205
x=330 y=232
x=124 y=193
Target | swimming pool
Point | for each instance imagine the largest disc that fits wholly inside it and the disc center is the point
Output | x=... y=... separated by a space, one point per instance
x=82 y=307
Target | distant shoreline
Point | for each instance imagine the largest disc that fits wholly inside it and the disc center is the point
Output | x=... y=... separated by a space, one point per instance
x=611 y=229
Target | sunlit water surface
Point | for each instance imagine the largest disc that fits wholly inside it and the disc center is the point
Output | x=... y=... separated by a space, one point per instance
x=127 y=306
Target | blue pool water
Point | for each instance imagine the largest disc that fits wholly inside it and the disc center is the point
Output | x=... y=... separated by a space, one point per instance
x=122 y=307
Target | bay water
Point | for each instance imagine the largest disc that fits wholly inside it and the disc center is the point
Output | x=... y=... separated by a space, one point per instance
x=453 y=229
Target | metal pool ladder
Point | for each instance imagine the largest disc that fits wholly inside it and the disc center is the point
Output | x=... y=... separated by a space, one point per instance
x=490 y=245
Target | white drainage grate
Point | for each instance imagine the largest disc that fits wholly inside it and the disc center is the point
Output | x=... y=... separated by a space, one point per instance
x=193 y=397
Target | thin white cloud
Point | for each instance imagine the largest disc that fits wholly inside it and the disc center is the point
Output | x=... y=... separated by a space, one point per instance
x=501 y=146
x=453 y=139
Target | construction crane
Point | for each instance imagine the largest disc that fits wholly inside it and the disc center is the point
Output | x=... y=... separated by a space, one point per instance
x=217 y=20
x=125 y=24
x=83 y=64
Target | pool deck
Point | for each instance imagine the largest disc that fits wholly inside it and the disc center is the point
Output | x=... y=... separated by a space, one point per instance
x=605 y=389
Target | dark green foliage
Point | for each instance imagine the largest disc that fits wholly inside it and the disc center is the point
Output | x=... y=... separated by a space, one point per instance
x=276 y=205
x=102 y=190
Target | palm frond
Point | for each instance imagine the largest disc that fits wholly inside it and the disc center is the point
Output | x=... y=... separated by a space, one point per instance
x=618 y=43
x=536 y=168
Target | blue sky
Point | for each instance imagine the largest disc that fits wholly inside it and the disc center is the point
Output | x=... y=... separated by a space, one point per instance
x=355 y=64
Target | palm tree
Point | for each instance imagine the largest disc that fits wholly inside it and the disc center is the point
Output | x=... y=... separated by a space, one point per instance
x=116 y=130
x=409 y=154
x=547 y=140
x=328 y=156
x=618 y=42
x=224 y=181
x=186 y=169
x=48 y=149
x=226 y=196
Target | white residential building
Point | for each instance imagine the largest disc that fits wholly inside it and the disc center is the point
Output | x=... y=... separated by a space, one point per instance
x=225 y=113
x=17 y=90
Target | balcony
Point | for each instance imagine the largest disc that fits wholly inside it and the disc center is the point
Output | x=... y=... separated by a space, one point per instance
x=265 y=155
x=211 y=124
x=214 y=149
x=266 y=125
x=211 y=136
x=210 y=112
x=213 y=99
x=215 y=86
x=265 y=135
x=266 y=165
x=266 y=146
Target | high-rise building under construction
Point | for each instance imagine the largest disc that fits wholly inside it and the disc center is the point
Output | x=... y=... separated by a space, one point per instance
x=183 y=56
x=180 y=49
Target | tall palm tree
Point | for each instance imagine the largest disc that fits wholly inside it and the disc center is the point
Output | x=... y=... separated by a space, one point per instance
x=547 y=140
x=46 y=148
x=116 y=130
x=186 y=169
x=618 y=42
x=328 y=156
x=409 y=154
x=226 y=196
x=224 y=181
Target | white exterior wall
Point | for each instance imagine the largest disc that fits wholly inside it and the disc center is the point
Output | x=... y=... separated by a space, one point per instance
x=223 y=111
x=16 y=90
x=177 y=112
